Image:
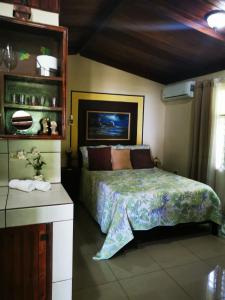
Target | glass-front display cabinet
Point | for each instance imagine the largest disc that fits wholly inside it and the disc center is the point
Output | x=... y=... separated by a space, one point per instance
x=32 y=79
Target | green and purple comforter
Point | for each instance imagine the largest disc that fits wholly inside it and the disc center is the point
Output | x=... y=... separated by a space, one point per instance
x=127 y=200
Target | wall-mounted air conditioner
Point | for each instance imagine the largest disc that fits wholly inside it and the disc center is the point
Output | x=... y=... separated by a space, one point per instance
x=178 y=90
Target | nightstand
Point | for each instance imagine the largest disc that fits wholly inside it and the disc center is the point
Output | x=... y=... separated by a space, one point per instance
x=70 y=178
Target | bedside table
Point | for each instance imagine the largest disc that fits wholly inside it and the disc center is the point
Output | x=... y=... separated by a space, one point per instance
x=70 y=178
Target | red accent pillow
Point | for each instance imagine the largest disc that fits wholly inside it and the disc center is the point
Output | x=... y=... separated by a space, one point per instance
x=99 y=159
x=141 y=159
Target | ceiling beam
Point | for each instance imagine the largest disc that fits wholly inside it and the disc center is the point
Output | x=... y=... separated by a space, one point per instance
x=163 y=8
x=98 y=23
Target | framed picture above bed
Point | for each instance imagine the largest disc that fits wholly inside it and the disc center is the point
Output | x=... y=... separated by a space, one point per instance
x=109 y=119
x=107 y=125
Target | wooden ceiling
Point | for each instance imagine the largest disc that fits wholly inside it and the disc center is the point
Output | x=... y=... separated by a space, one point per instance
x=162 y=40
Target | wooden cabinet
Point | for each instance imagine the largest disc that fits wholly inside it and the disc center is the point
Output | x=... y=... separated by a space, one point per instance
x=25 y=264
x=49 y=5
x=22 y=88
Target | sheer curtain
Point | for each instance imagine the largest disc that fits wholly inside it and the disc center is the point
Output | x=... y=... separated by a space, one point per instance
x=216 y=161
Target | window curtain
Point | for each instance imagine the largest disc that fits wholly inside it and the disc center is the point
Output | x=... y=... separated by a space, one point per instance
x=201 y=134
x=216 y=163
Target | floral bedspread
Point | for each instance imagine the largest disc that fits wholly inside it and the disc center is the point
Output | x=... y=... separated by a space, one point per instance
x=127 y=200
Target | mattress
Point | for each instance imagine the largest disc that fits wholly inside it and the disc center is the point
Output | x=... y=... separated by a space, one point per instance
x=127 y=200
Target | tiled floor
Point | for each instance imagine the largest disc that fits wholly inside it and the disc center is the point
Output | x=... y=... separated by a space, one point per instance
x=166 y=269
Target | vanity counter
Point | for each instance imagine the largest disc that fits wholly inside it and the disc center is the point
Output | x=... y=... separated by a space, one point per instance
x=38 y=207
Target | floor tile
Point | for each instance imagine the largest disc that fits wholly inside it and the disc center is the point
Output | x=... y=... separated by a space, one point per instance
x=195 y=279
x=156 y=286
x=216 y=261
x=205 y=246
x=84 y=244
x=110 y=291
x=168 y=254
x=131 y=263
x=88 y=272
x=193 y=267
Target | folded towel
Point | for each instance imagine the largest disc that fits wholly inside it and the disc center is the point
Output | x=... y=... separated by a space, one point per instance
x=23 y=185
x=29 y=185
x=43 y=186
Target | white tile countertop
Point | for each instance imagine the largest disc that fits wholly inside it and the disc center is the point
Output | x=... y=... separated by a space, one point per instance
x=56 y=196
x=22 y=208
x=3 y=197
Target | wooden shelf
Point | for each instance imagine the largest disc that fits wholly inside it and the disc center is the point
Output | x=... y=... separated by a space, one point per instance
x=25 y=80
x=28 y=26
x=32 y=107
x=28 y=78
x=29 y=137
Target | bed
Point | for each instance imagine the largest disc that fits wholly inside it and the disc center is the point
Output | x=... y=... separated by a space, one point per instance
x=136 y=195
x=123 y=201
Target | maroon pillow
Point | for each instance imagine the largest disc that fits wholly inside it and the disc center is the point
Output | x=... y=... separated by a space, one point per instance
x=141 y=159
x=99 y=159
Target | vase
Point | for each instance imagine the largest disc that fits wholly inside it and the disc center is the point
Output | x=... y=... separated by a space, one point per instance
x=38 y=176
x=10 y=58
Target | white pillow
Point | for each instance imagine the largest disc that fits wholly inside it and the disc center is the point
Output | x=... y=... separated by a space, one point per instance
x=131 y=147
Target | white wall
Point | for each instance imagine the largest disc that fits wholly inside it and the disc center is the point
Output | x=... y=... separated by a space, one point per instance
x=177 y=139
x=90 y=76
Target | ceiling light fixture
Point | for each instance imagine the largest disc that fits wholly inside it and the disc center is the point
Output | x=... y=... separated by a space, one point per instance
x=216 y=19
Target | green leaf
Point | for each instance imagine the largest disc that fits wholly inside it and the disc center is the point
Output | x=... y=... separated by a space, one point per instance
x=23 y=55
x=45 y=51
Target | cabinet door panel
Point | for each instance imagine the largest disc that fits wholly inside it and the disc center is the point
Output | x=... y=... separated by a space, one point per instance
x=24 y=263
x=34 y=3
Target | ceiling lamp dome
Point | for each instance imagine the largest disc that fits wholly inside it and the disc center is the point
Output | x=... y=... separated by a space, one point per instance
x=216 y=19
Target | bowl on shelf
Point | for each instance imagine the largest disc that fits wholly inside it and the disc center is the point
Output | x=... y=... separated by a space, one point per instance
x=47 y=65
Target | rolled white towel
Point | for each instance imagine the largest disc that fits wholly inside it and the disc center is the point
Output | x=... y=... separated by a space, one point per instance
x=23 y=185
x=43 y=186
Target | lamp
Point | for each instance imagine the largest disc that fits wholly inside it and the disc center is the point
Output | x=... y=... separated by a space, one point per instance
x=216 y=19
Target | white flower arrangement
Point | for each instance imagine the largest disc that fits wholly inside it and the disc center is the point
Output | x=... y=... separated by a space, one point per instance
x=36 y=161
x=33 y=159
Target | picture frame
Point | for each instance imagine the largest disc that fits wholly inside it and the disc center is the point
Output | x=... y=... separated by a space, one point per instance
x=105 y=125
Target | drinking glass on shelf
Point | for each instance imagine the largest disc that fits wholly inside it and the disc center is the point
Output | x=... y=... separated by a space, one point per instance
x=13 y=98
x=53 y=101
x=9 y=58
x=1 y=55
x=33 y=100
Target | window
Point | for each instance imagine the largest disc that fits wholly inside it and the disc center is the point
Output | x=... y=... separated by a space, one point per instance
x=220 y=129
